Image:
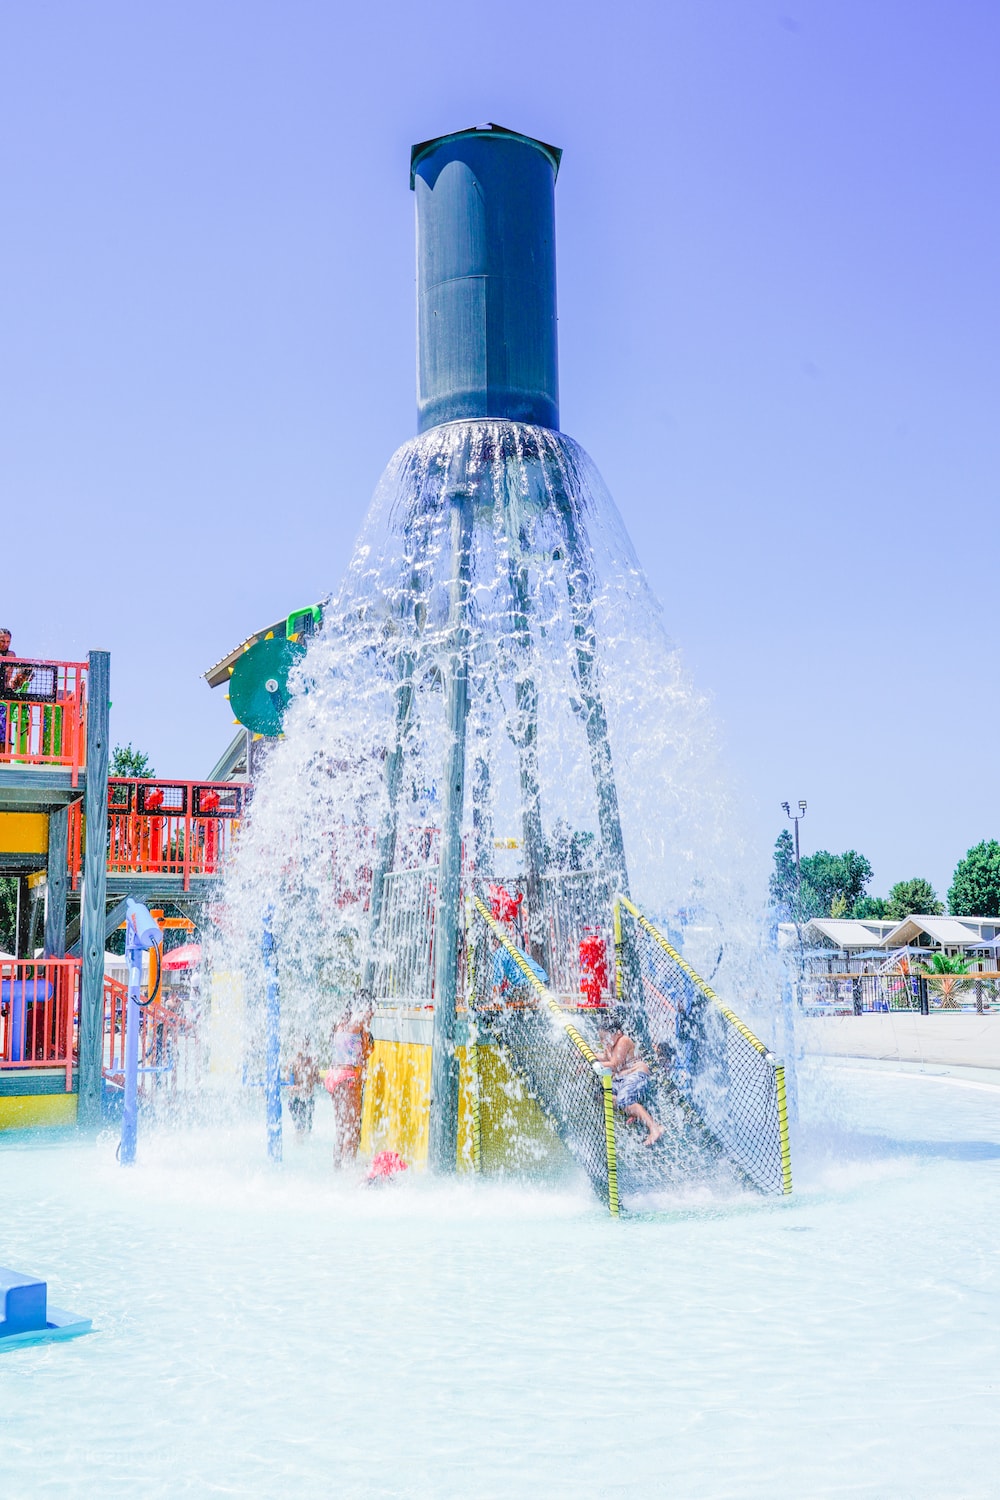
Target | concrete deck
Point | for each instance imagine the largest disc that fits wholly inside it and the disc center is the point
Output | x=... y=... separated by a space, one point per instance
x=905 y=1036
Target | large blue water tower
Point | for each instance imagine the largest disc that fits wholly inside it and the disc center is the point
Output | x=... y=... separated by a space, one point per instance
x=486 y=277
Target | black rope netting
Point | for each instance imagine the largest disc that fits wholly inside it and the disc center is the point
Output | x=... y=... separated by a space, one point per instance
x=713 y=1061
x=512 y=1005
x=714 y=1087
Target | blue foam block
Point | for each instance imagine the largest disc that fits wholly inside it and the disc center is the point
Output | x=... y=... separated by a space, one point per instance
x=27 y=1318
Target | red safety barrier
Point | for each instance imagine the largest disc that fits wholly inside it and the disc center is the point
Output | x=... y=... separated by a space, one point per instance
x=43 y=713
x=39 y=1003
x=171 y=827
x=160 y=1028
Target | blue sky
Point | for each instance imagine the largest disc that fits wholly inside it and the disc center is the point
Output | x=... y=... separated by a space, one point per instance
x=778 y=250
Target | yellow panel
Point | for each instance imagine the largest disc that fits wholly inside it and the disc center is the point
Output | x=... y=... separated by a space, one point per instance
x=506 y=1133
x=467 y=1149
x=24 y=833
x=514 y=1134
x=395 y=1115
x=36 y=1111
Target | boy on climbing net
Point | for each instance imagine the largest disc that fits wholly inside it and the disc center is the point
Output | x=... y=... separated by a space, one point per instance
x=630 y=1077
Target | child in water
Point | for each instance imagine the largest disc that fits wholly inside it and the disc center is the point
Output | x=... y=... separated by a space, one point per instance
x=305 y=1077
x=344 y=1082
x=630 y=1077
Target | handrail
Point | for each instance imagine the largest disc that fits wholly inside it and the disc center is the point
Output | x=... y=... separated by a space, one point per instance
x=695 y=977
x=43 y=713
x=165 y=826
x=579 y=1042
x=39 y=1002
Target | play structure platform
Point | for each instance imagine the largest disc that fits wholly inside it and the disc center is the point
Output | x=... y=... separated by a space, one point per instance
x=162 y=840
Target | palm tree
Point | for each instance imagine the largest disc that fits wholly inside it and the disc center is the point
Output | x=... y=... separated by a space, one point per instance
x=949 y=976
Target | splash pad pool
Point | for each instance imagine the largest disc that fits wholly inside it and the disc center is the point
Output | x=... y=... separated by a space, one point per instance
x=494 y=765
x=262 y=1334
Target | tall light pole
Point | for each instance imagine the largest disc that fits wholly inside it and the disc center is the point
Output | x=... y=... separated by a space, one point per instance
x=796 y=818
x=787 y=1005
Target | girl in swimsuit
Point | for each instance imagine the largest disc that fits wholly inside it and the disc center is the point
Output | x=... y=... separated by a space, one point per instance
x=344 y=1082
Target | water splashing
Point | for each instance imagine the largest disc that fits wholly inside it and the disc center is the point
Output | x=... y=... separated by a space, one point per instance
x=493 y=558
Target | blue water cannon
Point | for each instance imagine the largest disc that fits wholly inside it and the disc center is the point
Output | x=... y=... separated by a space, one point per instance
x=142 y=935
x=142 y=931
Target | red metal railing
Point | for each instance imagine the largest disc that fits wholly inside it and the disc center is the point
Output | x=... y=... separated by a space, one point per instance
x=171 y=827
x=39 y=1017
x=115 y=1005
x=161 y=1029
x=43 y=713
x=39 y=1002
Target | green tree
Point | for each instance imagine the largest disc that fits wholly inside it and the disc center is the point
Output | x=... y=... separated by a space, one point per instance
x=915 y=896
x=875 y=908
x=127 y=761
x=833 y=878
x=975 y=886
x=8 y=913
x=783 y=882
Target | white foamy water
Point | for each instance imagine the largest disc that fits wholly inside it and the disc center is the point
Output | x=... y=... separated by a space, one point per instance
x=270 y=1333
x=496 y=544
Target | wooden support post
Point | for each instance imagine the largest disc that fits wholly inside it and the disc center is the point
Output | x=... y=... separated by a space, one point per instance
x=444 y=1065
x=57 y=881
x=95 y=879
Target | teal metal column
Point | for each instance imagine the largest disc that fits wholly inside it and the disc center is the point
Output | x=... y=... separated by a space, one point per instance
x=444 y=1067
x=385 y=852
x=595 y=719
x=57 y=880
x=95 y=880
x=526 y=698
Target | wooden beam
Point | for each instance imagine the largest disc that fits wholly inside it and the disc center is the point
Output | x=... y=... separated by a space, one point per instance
x=57 y=883
x=95 y=871
x=112 y=921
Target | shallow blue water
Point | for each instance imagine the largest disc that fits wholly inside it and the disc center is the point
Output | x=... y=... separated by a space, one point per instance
x=272 y=1334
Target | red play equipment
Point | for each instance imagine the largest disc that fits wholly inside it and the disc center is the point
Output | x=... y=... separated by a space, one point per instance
x=503 y=906
x=593 y=968
x=385 y=1166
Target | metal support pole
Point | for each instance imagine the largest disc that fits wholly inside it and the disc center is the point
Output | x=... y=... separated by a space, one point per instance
x=385 y=853
x=526 y=700
x=447 y=920
x=95 y=871
x=789 y=1045
x=482 y=818
x=272 y=1055
x=130 y=1102
x=595 y=720
x=141 y=935
x=57 y=881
